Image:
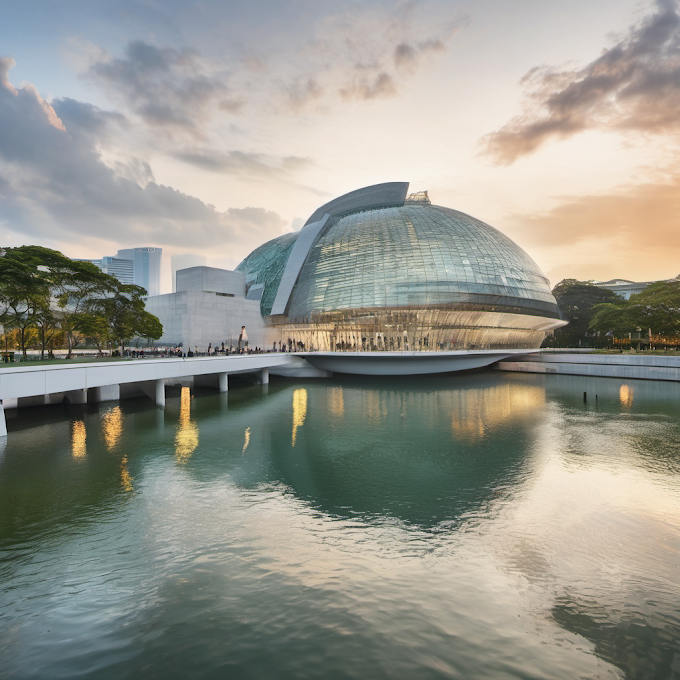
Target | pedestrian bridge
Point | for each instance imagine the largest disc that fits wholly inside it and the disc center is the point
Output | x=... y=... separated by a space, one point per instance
x=26 y=385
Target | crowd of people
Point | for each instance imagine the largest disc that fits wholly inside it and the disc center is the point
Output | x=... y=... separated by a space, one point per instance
x=188 y=353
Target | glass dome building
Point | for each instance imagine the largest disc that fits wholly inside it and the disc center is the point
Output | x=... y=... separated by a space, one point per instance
x=380 y=270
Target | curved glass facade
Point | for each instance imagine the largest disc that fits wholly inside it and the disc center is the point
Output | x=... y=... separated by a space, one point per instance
x=415 y=276
x=423 y=256
x=265 y=265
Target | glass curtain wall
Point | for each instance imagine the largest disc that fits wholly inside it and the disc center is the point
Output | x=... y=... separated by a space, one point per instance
x=416 y=277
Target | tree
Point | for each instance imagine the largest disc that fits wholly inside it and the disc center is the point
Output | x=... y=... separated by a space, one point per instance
x=96 y=327
x=656 y=309
x=123 y=309
x=616 y=318
x=42 y=290
x=576 y=301
x=24 y=287
x=46 y=323
x=77 y=283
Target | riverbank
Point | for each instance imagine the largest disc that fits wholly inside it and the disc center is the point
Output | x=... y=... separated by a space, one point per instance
x=631 y=366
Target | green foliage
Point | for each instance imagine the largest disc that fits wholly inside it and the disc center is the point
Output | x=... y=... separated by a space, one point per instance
x=123 y=311
x=43 y=292
x=577 y=301
x=655 y=310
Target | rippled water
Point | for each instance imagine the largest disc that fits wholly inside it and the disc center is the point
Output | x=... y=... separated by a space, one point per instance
x=480 y=526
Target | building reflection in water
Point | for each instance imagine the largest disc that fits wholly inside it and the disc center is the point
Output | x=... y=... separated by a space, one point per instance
x=78 y=438
x=246 y=440
x=336 y=402
x=299 y=411
x=626 y=396
x=475 y=412
x=186 y=437
x=112 y=426
x=125 y=476
x=376 y=407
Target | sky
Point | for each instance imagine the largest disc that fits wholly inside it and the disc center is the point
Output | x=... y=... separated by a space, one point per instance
x=211 y=126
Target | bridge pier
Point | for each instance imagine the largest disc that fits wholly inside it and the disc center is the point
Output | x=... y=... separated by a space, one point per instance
x=3 y=422
x=105 y=393
x=264 y=376
x=77 y=396
x=224 y=382
x=160 y=393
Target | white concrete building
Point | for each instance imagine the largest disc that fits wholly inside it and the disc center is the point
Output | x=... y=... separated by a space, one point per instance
x=209 y=308
x=625 y=288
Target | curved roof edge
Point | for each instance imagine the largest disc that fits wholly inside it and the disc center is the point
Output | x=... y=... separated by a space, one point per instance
x=386 y=195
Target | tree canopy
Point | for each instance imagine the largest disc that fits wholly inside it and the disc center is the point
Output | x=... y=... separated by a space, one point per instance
x=42 y=290
x=576 y=301
x=656 y=310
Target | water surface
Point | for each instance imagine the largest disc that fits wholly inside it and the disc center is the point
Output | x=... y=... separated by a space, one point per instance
x=487 y=525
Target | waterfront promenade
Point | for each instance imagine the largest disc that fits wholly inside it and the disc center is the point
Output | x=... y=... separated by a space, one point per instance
x=627 y=366
x=27 y=385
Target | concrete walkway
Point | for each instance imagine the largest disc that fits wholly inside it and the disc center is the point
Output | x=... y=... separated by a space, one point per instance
x=628 y=366
x=26 y=385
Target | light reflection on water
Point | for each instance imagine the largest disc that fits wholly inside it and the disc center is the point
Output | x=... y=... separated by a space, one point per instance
x=78 y=439
x=626 y=395
x=482 y=526
x=186 y=437
x=299 y=411
x=112 y=426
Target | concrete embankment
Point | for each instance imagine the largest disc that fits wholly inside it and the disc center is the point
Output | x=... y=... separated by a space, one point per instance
x=638 y=366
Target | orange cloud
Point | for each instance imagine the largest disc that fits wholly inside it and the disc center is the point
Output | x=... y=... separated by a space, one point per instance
x=633 y=232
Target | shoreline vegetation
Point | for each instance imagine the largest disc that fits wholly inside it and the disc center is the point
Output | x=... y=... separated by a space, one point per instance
x=50 y=302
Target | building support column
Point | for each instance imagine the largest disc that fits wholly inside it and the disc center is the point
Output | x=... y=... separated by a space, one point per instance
x=224 y=381
x=3 y=422
x=160 y=393
x=105 y=393
x=264 y=376
x=77 y=396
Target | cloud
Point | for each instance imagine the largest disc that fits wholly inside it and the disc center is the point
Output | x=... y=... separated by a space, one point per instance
x=631 y=231
x=58 y=189
x=7 y=63
x=166 y=86
x=302 y=91
x=632 y=86
x=353 y=55
x=381 y=85
x=240 y=162
x=364 y=55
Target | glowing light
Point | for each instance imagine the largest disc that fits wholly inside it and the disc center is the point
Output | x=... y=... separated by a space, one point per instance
x=112 y=425
x=476 y=412
x=186 y=437
x=626 y=396
x=125 y=476
x=78 y=439
x=299 y=411
x=246 y=440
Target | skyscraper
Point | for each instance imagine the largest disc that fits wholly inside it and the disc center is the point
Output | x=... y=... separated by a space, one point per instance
x=141 y=266
x=146 y=263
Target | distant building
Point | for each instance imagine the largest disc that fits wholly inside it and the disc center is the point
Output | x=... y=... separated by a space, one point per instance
x=139 y=266
x=625 y=288
x=123 y=270
x=146 y=267
x=209 y=307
